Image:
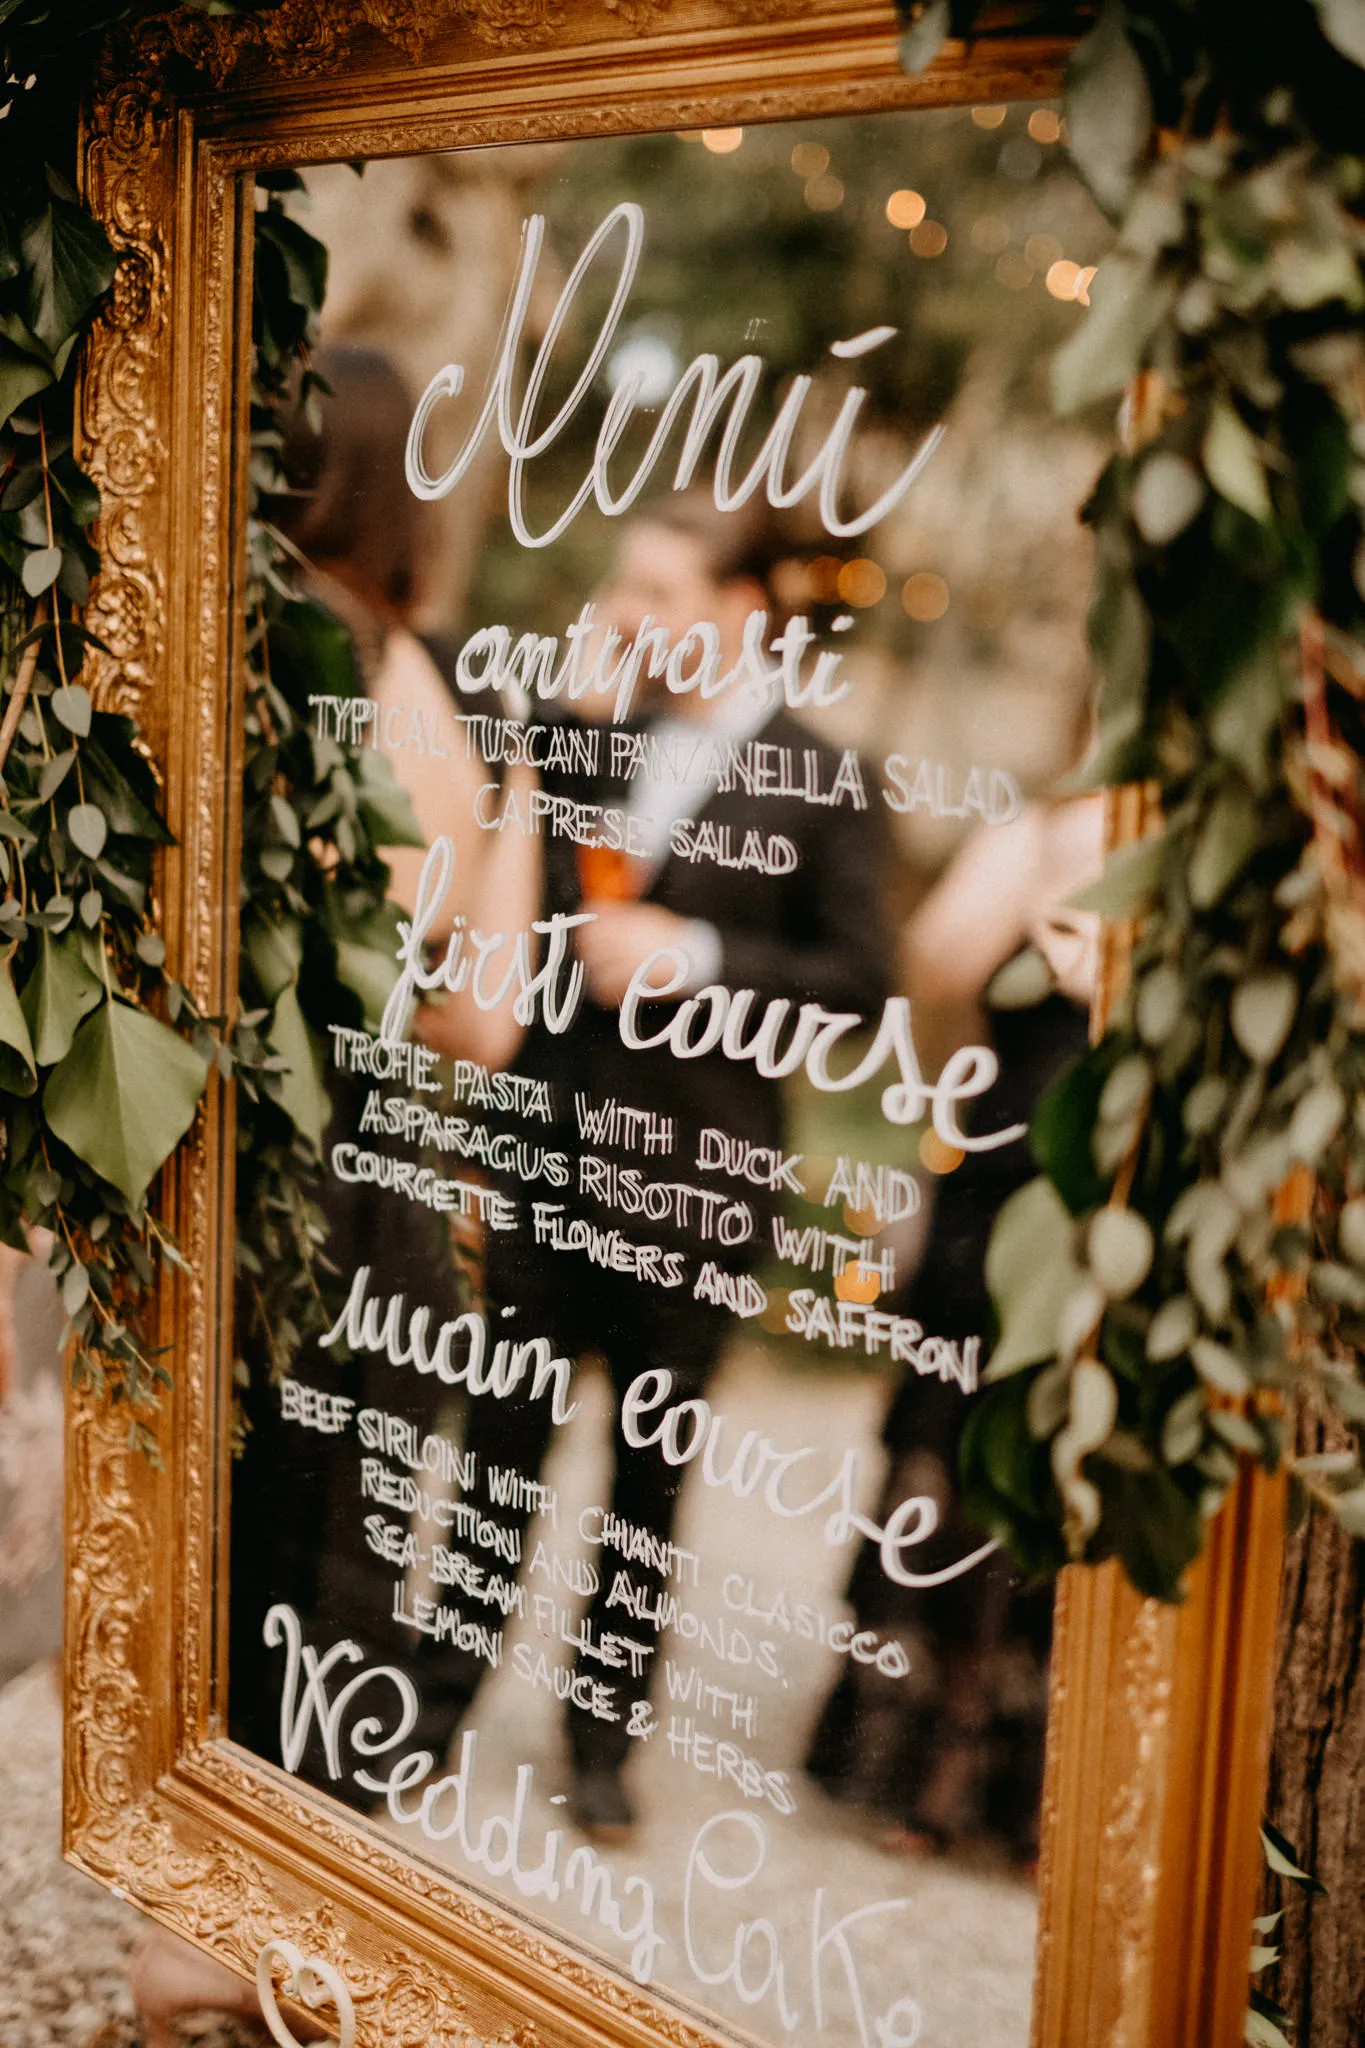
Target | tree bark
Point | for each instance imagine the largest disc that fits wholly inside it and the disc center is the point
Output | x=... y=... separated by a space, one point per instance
x=1316 y=1795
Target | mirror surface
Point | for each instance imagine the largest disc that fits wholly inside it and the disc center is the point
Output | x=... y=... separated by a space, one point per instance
x=713 y=637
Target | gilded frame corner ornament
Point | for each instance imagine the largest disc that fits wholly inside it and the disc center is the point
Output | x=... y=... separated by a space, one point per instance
x=1160 y=1717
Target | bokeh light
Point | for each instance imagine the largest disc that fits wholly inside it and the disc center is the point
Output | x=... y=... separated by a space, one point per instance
x=925 y=596
x=937 y=1156
x=862 y=582
x=722 y=141
x=855 y=1283
x=1044 y=125
x=810 y=159
x=930 y=238
x=905 y=209
x=824 y=194
x=1014 y=270
x=823 y=573
x=989 y=117
x=990 y=234
x=1042 y=251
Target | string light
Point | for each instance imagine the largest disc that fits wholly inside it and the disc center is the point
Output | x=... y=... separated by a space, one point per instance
x=722 y=141
x=905 y=209
x=1044 y=125
x=988 y=117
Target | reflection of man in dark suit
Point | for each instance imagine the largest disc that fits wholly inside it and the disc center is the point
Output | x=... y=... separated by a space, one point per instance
x=815 y=933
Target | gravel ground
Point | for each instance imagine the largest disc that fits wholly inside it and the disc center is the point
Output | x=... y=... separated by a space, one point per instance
x=64 y=1940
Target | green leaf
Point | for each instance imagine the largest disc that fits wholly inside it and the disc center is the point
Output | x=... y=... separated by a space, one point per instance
x=17 y=1070
x=1262 y=1011
x=1261 y=2032
x=1283 y=1859
x=71 y=708
x=369 y=973
x=1032 y=1271
x=1343 y=24
x=1060 y=1132
x=1166 y=497
x=88 y=829
x=1108 y=110
x=21 y=377
x=42 y=566
x=1219 y=1368
x=1025 y=979
x=1120 y=1247
x=1233 y=462
x=59 y=992
x=55 y=773
x=1349 y=1509
x=71 y=264
x=1127 y=303
x=1226 y=842
x=1132 y=876
x=302 y=1094
x=1152 y=1524
x=274 y=952
x=125 y=1095
x=385 y=806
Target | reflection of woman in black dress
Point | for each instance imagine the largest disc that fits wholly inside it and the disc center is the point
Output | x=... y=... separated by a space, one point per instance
x=956 y=1746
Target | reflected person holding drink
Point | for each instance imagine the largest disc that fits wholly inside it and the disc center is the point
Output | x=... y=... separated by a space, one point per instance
x=644 y=1254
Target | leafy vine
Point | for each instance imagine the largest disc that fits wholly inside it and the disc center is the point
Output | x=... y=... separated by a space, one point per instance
x=1191 y=1256
x=104 y=1056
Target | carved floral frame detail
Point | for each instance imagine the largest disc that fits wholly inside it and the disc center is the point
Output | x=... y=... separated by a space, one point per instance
x=1160 y=1716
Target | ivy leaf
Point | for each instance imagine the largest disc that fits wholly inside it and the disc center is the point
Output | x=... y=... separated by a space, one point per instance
x=18 y=1075
x=71 y=264
x=59 y=992
x=125 y=1095
x=1343 y=24
x=21 y=377
x=1233 y=462
x=1108 y=110
x=302 y=1095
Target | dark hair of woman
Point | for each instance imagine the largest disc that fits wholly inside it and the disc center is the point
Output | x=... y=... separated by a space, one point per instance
x=351 y=512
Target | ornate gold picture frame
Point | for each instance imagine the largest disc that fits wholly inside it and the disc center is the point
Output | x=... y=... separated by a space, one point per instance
x=1160 y=1716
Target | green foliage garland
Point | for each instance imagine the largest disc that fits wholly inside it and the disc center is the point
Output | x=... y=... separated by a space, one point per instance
x=1192 y=1254
x=103 y=1056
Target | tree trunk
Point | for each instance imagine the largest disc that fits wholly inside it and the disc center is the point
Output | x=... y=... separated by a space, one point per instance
x=1317 y=1776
